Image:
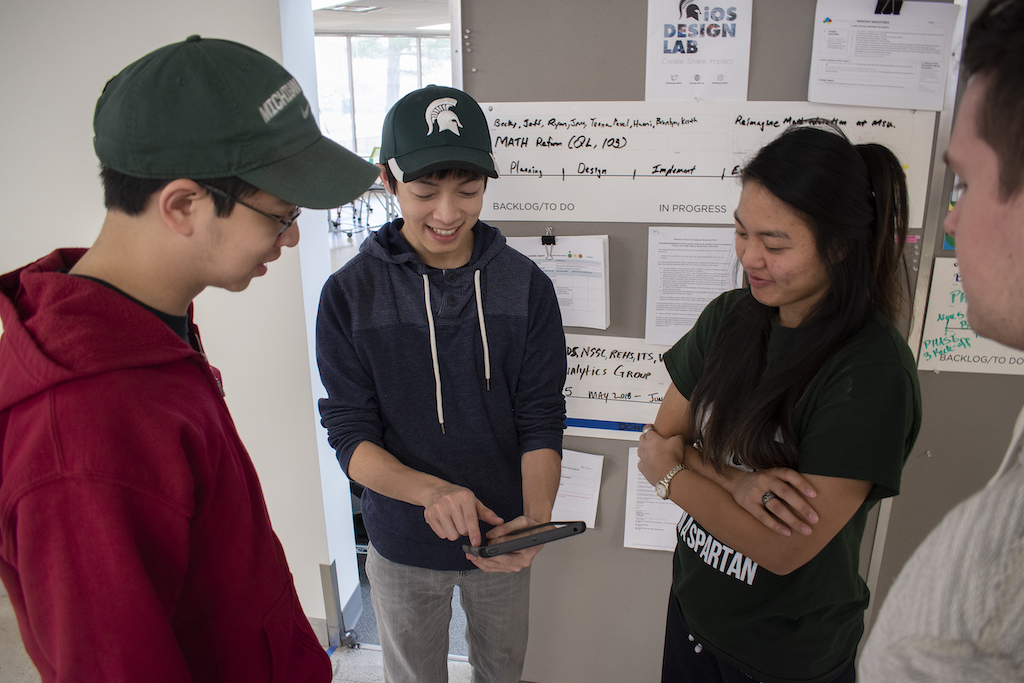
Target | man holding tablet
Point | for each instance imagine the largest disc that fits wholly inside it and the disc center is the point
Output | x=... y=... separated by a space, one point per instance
x=443 y=356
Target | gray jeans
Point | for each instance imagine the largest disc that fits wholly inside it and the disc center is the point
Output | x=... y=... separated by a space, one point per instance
x=414 y=606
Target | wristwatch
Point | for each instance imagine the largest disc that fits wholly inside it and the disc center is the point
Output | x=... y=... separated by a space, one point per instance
x=661 y=488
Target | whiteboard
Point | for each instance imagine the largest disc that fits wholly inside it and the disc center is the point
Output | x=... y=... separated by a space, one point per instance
x=664 y=162
x=613 y=385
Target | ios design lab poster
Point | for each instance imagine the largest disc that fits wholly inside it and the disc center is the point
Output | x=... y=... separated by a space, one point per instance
x=698 y=49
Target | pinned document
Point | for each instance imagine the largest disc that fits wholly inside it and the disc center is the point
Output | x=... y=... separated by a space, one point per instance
x=869 y=53
x=578 y=267
x=686 y=269
x=650 y=521
x=579 y=487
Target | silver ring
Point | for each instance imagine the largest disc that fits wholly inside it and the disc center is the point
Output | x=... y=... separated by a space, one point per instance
x=766 y=497
x=645 y=430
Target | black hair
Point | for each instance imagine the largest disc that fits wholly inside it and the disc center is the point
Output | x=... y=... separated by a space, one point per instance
x=854 y=200
x=130 y=194
x=457 y=173
x=994 y=50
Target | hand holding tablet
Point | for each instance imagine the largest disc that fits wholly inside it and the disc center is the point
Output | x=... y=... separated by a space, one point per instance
x=527 y=538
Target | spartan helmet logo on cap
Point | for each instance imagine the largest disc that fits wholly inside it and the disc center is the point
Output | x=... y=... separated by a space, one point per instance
x=440 y=110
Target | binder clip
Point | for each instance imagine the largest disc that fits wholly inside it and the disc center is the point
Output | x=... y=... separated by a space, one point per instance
x=548 y=240
x=889 y=7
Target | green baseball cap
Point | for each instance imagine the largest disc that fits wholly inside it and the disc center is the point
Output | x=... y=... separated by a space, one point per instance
x=433 y=129
x=208 y=108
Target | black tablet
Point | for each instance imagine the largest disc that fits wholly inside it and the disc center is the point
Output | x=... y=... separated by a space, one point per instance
x=526 y=538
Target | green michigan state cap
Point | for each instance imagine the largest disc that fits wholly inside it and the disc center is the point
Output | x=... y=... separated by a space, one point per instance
x=433 y=129
x=207 y=108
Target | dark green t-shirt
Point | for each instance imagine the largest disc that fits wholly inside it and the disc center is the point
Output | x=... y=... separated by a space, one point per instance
x=858 y=419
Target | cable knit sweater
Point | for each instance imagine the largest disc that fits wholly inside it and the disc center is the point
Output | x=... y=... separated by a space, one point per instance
x=956 y=611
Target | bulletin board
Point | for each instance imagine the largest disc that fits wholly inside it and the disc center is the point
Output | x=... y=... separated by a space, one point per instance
x=597 y=608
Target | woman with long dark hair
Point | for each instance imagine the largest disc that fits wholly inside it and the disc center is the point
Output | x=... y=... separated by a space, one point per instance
x=793 y=407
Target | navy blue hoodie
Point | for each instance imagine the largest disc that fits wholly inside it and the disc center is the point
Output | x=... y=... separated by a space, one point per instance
x=373 y=346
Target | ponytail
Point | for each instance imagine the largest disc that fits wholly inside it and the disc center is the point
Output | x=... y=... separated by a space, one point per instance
x=889 y=189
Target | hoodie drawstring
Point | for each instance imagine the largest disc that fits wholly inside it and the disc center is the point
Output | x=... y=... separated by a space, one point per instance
x=483 y=328
x=433 y=342
x=433 y=353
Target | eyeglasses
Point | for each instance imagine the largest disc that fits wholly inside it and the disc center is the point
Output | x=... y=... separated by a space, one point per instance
x=285 y=222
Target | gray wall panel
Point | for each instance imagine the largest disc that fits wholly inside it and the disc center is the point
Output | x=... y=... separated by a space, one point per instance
x=780 y=49
x=968 y=420
x=554 y=50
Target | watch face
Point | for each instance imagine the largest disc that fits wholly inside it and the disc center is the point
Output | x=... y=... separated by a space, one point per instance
x=661 y=490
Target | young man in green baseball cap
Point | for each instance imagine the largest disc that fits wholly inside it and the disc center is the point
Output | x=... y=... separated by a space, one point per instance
x=134 y=539
x=443 y=356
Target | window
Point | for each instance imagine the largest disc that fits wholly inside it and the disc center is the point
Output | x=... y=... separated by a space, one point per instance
x=359 y=78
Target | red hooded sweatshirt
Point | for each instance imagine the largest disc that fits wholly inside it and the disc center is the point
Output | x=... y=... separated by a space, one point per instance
x=134 y=539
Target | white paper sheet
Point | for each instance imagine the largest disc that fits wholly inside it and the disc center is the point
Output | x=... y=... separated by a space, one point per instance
x=650 y=521
x=579 y=488
x=948 y=342
x=697 y=50
x=613 y=387
x=881 y=60
x=578 y=267
x=686 y=269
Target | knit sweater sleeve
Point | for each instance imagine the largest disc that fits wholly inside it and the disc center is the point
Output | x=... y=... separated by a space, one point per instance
x=955 y=611
x=539 y=402
x=350 y=412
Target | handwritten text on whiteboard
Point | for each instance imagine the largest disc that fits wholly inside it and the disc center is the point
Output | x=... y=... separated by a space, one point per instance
x=658 y=162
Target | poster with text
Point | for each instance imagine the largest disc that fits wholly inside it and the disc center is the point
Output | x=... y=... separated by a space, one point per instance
x=698 y=50
x=949 y=343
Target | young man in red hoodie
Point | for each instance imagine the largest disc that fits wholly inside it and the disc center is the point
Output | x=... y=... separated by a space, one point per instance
x=134 y=539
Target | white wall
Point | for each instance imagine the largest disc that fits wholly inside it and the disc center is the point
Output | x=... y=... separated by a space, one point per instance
x=57 y=56
x=299 y=56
